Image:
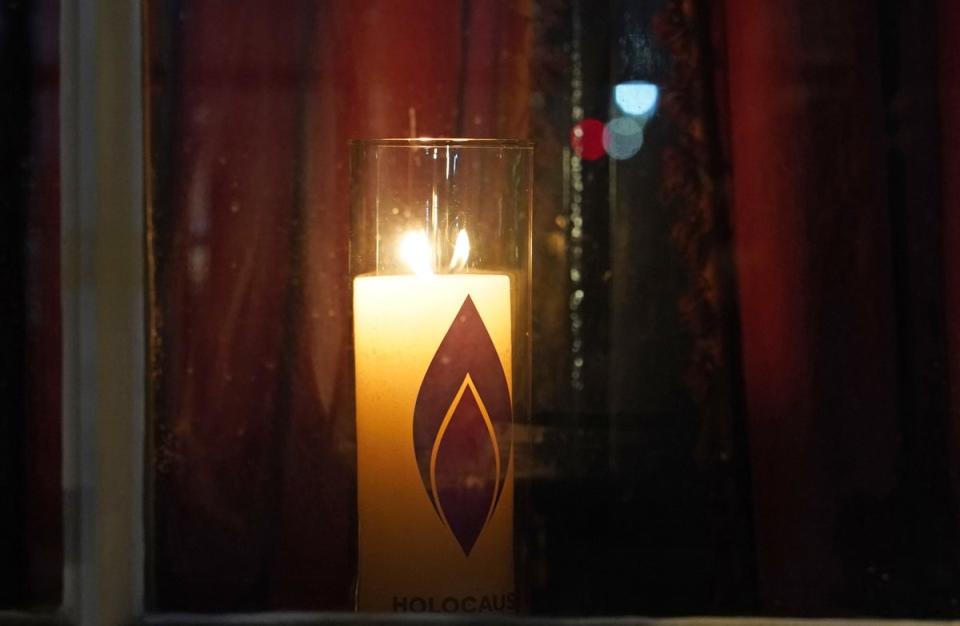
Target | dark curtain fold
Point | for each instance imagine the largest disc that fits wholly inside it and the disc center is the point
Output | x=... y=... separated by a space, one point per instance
x=43 y=364
x=31 y=527
x=837 y=217
x=948 y=19
x=223 y=270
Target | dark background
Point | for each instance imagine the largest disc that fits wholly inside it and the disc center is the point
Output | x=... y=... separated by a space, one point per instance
x=31 y=532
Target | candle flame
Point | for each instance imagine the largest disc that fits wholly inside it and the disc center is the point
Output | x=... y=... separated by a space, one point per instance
x=416 y=253
x=461 y=252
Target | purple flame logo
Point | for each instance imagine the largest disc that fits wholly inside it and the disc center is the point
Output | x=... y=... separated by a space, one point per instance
x=462 y=427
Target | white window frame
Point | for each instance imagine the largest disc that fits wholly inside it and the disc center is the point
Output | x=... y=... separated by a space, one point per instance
x=102 y=298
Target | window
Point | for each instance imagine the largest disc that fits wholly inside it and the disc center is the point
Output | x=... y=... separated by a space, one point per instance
x=744 y=333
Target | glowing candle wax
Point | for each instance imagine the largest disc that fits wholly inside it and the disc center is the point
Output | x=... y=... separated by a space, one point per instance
x=434 y=442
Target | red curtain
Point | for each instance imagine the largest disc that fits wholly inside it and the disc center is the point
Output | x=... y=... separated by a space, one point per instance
x=842 y=123
x=254 y=500
x=836 y=187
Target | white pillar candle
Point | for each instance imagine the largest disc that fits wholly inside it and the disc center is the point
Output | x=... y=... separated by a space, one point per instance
x=434 y=442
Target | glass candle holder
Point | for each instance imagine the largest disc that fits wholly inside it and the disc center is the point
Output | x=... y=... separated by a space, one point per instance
x=440 y=253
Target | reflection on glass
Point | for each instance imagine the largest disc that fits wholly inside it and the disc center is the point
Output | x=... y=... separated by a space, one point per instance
x=636 y=98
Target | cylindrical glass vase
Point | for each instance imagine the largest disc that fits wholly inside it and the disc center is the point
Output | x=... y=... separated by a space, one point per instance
x=440 y=253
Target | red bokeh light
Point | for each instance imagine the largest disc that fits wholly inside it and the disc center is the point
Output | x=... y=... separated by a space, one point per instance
x=586 y=139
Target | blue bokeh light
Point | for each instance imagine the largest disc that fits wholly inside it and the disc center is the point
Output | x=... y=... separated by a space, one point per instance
x=636 y=97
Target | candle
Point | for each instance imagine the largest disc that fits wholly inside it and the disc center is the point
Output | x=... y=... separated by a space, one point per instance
x=440 y=254
x=434 y=379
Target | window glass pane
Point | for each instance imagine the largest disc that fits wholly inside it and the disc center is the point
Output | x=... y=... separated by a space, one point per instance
x=744 y=342
x=31 y=545
x=253 y=501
